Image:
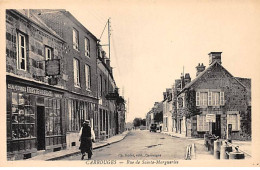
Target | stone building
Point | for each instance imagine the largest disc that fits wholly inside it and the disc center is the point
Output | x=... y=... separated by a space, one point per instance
x=35 y=93
x=215 y=102
x=167 y=111
x=53 y=68
x=111 y=105
x=80 y=53
x=155 y=115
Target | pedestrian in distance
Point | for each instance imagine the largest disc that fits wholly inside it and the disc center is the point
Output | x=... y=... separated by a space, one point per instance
x=86 y=137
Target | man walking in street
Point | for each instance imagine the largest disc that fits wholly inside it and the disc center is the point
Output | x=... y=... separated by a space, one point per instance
x=86 y=137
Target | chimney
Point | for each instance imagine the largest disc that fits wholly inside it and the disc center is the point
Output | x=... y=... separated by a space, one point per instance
x=214 y=56
x=187 y=78
x=200 y=68
x=164 y=95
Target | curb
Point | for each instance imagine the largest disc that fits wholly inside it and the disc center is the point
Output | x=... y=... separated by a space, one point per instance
x=77 y=152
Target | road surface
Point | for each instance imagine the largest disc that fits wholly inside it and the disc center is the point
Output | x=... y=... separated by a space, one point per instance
x=141 y=145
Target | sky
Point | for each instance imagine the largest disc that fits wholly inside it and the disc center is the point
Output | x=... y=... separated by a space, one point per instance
x=151 y=43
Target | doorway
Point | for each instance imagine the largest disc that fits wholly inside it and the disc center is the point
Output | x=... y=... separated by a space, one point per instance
x=40 y=128
x=216 y=127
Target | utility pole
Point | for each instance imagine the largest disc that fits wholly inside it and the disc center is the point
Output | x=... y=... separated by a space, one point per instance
x=109 y=34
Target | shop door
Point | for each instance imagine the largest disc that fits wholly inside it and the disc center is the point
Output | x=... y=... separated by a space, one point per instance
x=216 y=127
x=40 y=128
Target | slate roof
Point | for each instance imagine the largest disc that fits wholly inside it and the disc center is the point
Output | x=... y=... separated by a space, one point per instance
x=205 y=71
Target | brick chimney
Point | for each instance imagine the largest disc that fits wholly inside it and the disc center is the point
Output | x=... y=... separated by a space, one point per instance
x=200 y=68
x=187 y=78
x=214 y=56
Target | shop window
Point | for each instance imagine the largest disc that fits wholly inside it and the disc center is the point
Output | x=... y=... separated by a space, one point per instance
x=23 y=117
x=53 y=118
x=77 y=114
x=202 y=125
x=233 y=118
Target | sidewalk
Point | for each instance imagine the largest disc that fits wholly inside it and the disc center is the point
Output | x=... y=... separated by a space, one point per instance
x=75 y=150
x=201 y=150
x=203 y=153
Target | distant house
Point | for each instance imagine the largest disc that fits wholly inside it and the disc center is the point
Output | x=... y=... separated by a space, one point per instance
x=167 y=111
x=215 y=102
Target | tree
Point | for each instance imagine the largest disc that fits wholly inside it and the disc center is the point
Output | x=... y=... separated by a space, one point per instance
x=137 y=122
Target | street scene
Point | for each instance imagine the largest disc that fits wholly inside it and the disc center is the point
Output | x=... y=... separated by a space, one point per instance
x=81 y=91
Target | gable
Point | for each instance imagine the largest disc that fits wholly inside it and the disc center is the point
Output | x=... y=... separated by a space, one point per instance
x=214 y=76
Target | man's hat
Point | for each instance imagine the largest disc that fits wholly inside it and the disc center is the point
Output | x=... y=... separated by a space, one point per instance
x=87 y=121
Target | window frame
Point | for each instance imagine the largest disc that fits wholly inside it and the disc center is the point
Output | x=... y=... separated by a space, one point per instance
x=19 y=54
x=76 y=71
x=51 y=53
x=88 y=77
x=75 y=39
x=87 y=47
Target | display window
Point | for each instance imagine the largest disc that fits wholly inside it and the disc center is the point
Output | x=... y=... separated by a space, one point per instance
x=23 y=117
x=52 y=117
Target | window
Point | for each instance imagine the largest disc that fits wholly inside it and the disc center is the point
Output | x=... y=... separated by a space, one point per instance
x=75 y=39
x=87 y=47
x=233 y=118
x=76 y=72
x=100 y=85
x=203 y=99
x=87 y=75
x=215 y=98
x=23 y=116
x=48 y=53
x=21 y=52
x=53 y=117
x=210 y=98
x=202 y=125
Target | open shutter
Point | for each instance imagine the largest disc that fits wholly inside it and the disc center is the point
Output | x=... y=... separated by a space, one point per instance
x=197 y=98
x=238 y=121
x=222 y=100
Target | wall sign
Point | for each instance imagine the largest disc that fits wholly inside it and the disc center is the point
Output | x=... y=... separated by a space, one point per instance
x=210 y=118
x=52 y=67
x=33 y=90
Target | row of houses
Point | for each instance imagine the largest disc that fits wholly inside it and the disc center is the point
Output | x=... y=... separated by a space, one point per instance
x=57 y=75
x=215 y=102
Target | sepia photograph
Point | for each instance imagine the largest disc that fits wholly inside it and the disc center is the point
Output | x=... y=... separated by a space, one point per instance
x=130 y=83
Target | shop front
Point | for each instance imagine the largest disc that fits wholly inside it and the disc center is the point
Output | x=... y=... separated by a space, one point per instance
x=34 y=120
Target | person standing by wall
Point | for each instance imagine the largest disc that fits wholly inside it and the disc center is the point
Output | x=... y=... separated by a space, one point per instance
x=87 y=136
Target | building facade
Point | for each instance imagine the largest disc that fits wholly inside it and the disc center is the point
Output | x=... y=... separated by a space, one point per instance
x=215 y=102
x=167 y=111
x=35 y=108
x=55 y=79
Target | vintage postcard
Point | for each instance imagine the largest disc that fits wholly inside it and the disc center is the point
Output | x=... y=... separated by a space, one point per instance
x=130 y=83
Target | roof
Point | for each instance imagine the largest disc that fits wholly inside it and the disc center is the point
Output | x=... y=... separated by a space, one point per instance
x=37 y=21
x=68 y=14
x=205 y=71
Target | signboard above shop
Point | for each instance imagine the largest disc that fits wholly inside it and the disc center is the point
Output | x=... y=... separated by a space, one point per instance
x=52 y=67
x=210 y=118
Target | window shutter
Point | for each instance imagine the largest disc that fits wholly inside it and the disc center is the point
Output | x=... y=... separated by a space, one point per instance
x=206 y=125
x=210 y=98
x=197 y=98
x=222 y=100
x=238 y=121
